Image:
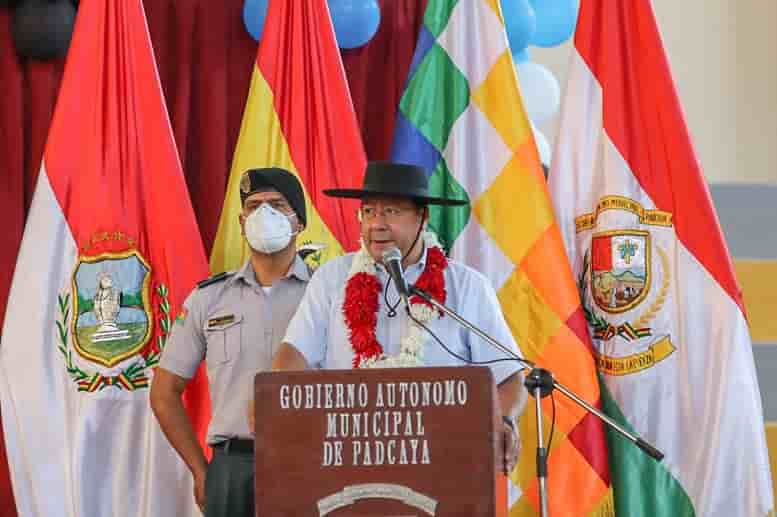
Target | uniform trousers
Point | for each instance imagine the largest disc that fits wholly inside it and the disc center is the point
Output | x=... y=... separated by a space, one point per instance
x=229 y=481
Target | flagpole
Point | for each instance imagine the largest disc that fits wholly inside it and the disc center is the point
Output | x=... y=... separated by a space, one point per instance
x=541 y=383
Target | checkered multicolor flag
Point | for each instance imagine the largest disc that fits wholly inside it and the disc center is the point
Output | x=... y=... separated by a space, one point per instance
x=461 y=117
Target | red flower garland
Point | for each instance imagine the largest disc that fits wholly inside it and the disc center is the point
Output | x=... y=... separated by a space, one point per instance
x=432 y=280
x=361 y=303
x=360 y=308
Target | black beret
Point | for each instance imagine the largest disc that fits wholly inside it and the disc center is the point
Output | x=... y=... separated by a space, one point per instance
x=257 y=180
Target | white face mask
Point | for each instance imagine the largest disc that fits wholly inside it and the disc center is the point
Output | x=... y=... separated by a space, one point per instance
x=268 y=230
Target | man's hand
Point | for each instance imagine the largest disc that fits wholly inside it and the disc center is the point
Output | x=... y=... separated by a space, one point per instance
x=199 y=490
x=166 y=392
x=512 y=399
x=512 y=447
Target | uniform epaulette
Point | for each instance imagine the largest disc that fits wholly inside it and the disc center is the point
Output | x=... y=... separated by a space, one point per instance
x=215 y=279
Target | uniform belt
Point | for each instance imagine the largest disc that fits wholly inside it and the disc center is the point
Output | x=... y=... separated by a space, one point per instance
x=236 y=445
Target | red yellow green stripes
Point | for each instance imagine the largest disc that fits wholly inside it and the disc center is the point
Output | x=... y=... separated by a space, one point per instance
x=298 y=116
x=122 y=381
x=626 y=331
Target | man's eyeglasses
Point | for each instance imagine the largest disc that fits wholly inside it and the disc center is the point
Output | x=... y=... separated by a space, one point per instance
x=389 y=213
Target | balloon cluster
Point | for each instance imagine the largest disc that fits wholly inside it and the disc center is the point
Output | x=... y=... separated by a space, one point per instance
x=541 y=23
x=355 y=21
x=41 y=29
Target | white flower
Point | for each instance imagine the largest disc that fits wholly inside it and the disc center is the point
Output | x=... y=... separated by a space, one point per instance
x=362 y=263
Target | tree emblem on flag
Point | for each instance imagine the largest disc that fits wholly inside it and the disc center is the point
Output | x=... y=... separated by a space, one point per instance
x=635 y=331
x=620 y=269
x=106 y=320
x=616 y=278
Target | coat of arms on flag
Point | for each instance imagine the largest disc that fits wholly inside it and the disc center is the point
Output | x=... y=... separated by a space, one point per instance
x=111 y=305
x=107 y=316
x=620 y=300
x=620 y=269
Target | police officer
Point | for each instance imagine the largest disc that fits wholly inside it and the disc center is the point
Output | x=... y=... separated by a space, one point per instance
x=235 y=322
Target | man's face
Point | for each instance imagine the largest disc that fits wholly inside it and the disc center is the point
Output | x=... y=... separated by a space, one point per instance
x=387 y=222
x=275 y=199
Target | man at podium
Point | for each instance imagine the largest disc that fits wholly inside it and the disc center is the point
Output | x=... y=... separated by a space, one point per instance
x=352 y=314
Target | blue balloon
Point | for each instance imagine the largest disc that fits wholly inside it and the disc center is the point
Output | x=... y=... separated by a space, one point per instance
x=522 y=56
x=520 y=23
x=355 y=21
x=556 y=20
x=254 y=13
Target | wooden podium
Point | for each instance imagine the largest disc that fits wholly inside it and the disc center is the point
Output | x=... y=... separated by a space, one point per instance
x=386 y=442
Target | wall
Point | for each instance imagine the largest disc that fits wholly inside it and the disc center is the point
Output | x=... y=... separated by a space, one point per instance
x=723 y=55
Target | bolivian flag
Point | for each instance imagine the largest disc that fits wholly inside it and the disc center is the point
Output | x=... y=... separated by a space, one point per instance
x=298 y=116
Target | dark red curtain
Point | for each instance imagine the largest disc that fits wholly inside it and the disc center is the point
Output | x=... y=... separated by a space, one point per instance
x=205 y=60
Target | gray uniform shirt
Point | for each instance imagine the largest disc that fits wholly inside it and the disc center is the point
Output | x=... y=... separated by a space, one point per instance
x=236 y=327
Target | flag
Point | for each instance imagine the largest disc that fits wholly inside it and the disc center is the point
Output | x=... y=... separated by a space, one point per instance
x=462 y=118
x=298 y=116
x=109 y=252
x=656 y=279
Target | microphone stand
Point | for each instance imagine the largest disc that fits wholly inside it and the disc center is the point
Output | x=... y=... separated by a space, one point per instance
x=540 y=383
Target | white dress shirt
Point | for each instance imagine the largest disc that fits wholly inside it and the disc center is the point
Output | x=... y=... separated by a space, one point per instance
x=319 y=332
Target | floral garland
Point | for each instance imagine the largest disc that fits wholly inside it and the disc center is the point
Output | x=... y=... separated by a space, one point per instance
x=360 y=308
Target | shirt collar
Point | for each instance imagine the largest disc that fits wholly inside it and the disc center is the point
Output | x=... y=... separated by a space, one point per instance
x=418 y=266
x=421 y=264
x=299 y=269
x=246 y=273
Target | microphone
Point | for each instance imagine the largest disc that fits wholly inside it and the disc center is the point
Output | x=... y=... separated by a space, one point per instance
x=392 y=259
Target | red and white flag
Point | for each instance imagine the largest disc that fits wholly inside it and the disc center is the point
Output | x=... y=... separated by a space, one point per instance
x=656 y=280
x=110 y=250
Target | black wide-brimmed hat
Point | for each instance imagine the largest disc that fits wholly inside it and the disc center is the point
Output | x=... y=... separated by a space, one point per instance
x=394 y=179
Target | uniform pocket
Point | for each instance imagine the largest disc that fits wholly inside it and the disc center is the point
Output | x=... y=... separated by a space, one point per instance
x=223 y=337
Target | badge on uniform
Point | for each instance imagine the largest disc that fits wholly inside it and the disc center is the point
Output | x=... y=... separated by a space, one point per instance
x=181 y=316
x=220 y=321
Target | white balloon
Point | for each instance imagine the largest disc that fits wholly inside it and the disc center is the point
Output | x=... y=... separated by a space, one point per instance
x=543 y=146
x=540 y=91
